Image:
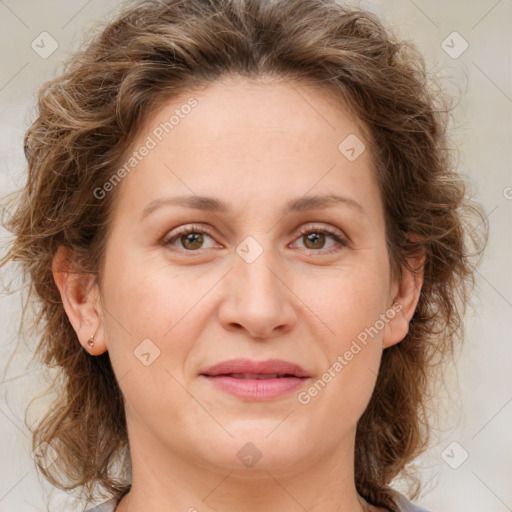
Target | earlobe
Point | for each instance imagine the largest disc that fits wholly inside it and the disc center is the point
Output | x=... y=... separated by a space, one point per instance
x=90 y=341
x=77 y=291
x=406 y=297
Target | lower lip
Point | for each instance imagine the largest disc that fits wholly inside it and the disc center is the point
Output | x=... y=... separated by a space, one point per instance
x=257 y=389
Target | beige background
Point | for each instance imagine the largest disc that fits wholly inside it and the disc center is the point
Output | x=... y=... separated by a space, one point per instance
x=479 y=416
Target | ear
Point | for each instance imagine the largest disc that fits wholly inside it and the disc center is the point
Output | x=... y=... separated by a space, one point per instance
x=80 y=299
x=405 y=296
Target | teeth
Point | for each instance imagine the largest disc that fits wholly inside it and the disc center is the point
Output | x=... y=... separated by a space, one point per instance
x=254 y=376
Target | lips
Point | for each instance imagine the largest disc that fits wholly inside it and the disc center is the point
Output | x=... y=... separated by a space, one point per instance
x=250 y=369
x=256 y=380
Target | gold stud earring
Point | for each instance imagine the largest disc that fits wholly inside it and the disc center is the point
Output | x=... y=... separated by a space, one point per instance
x=90 y=341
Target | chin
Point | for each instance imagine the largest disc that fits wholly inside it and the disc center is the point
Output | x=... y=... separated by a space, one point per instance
x=256 y=448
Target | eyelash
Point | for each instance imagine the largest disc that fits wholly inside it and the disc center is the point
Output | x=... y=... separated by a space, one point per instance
x=305 y=230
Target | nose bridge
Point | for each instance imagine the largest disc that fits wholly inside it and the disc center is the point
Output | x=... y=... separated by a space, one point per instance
x=257 y=264
x=257 y=298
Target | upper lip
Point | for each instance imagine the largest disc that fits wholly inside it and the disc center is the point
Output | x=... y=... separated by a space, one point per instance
x=251 y=366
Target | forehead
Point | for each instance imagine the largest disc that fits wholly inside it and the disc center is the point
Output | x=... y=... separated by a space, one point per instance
x=244 y=140
x=234 y=110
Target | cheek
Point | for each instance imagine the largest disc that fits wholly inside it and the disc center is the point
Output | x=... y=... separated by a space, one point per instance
x=152 y=318
x=351 y=306
x=144 y=303
x=349 y=301
x=149 y=300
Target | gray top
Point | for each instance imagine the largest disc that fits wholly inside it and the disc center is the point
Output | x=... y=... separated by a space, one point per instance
x=404 y=505
x=107 y=506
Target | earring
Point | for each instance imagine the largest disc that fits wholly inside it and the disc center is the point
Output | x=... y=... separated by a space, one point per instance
x=90 y=341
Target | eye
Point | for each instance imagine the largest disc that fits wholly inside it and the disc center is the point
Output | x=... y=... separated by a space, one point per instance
x=314 y=238
x=191 y=238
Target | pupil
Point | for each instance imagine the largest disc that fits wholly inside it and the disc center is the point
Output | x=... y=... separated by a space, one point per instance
x=193 y=238
x=315 y=238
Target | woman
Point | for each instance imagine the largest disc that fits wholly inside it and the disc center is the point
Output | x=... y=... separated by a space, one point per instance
x=246 y=239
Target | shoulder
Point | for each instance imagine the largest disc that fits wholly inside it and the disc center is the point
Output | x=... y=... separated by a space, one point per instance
x=107 y=506
x=404 y=505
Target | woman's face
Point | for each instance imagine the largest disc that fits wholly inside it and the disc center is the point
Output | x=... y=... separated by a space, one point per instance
x=247 y=283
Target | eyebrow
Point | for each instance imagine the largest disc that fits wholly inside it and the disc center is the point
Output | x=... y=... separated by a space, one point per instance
x=211 y=204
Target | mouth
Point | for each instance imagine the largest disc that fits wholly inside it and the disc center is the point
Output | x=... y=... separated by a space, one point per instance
x=256 y=380
x=250 y=369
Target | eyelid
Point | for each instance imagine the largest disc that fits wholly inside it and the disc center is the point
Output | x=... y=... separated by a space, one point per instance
x=328 y=229
x=182 y=230
x=339 y=236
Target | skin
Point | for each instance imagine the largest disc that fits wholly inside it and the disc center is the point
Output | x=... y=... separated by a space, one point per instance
x=254 y=145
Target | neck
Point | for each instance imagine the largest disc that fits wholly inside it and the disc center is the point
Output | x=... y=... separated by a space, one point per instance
x=171 y=483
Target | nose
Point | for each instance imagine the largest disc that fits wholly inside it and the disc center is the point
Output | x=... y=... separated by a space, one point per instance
x=257 y=298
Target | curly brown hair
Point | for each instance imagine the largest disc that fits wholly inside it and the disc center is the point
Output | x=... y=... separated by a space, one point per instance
x=157 y=49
